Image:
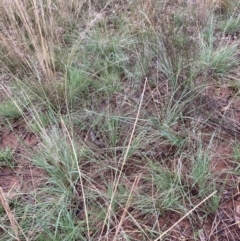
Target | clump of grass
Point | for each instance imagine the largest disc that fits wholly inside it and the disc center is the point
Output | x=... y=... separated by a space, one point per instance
x=7 y=158
x=200 y=172
x=9 y=110
x=231 y=25
x=216 y=60
x=219 y=62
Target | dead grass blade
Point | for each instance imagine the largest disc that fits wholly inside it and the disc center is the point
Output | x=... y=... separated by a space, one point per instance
x=126 y=154
x=135 y=183
x=13 y=221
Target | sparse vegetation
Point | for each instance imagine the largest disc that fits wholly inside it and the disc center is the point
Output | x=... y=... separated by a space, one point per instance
x=125 y=117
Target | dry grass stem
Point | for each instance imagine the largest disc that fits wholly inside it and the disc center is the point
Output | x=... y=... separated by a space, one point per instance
x=8 y=211
x=187 y=214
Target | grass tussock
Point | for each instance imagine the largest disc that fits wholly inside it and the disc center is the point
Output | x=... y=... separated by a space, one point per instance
x=118 y=107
